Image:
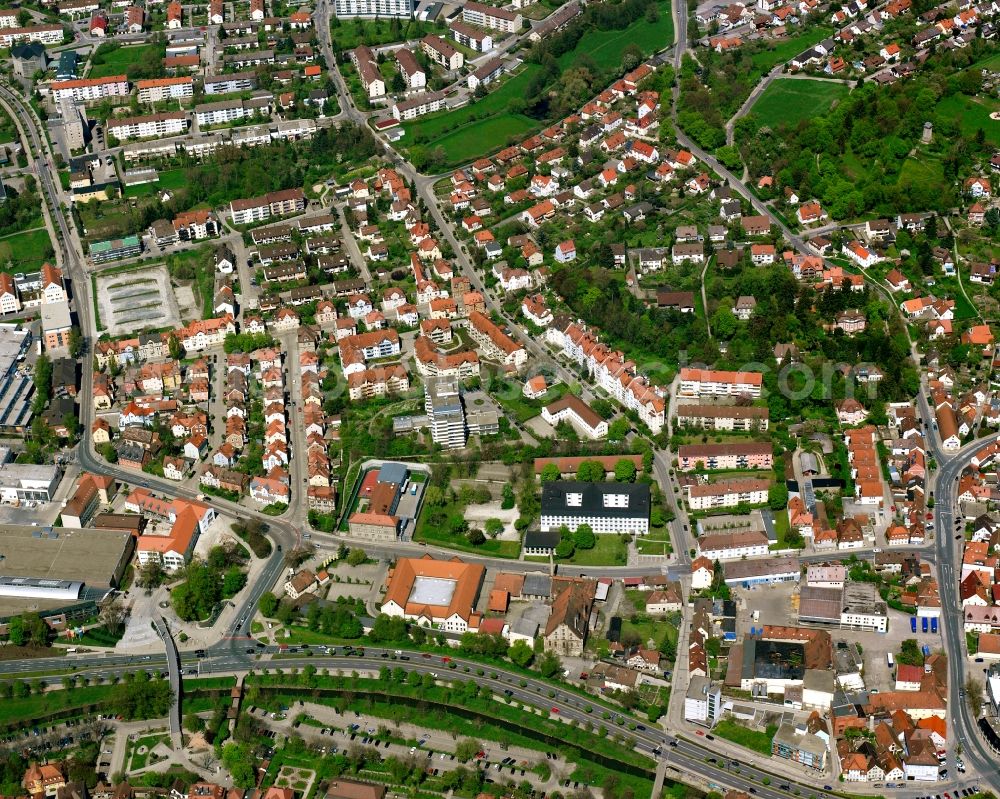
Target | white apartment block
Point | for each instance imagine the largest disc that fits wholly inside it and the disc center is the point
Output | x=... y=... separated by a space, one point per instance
x=149 y=126
x=230 y=84
x=8 y=19
x=43 y=34
x=727 y=494
x=90 y=89
x=442 y=52
x=162 y=89
x=491 y=17
x=226 y=111
x=257 y=209
x=424 y=104
x=712 y=383
x=374 y=8
x=410 y=69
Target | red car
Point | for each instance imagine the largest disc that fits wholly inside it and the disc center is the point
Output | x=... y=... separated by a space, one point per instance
x=699 y=732
x=446 y=660
x=555 y=710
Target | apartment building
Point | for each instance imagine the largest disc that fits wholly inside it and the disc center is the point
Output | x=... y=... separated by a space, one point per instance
x=735 y=455
x=442 y=52
x=714 y=383
x=172 y=123
x=43 y=34
x=374 y=8
x=426 y=103
x=485 y=16
x=723 y=417
x=727 y=494
x=486 y=74
x=410 y=69
x=88 y=90
x=226 y=111
x=494 y=342
x=276 y=203
x=473 y=38
x=378 y=382
x=733 y=545
x=159 y=90
x=605 y=507
x=367 y=66
x=231 y=83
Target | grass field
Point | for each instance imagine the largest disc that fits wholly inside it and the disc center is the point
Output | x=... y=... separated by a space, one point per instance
x=117 y=61
x=751 y=739
x=921 y=171
x=605 y=47
x=348 y=35
x=473 y=130
x=169 y=180
x=609 y=551
x=766 y=60
x=972 y=114
x=787 y=102
x=24 y=252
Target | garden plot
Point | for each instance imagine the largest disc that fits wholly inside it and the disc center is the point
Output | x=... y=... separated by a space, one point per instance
x=137 y=300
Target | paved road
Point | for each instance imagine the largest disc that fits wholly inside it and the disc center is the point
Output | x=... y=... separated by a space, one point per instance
x=174 y=675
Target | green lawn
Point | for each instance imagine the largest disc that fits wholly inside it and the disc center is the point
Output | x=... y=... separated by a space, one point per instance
x=117 y=61
x=508 y=394
x=25 y=252
x=348 y=35
x=751 y=739
x=766 y=60
x=787 y=102
x=972 y=114
x=442 y=538
x=605 y=47
x=609 y=551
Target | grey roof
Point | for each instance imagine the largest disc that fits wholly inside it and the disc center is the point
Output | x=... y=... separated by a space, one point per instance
x=537 y=584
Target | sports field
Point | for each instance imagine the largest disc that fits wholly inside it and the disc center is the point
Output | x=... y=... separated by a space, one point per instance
x=786 y=101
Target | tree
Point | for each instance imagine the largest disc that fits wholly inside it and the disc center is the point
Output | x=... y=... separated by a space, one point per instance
x=75 y=343
x=174 y=347
x=777 y=496
x=584 y=538
x=467 y=749
x=724 y=323
x=398 y=84
x=475 y=537
x=550 y=472
x=590 y=472
x=625 y=471
x=194 y=723
x=974 y=694
x=549 y=664
x=493 y=527
x=565 y=548
x=237 y=760
x=268 y=604
x=113 y=616
x=520 y=653
x=619 y=429
x=356 y=557
x=15 y=631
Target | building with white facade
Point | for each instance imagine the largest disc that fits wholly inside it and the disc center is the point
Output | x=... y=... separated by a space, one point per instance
x=727 y=494
x=485 y=16
x=88 y=90
x=172 y=123
x=713 y=383
x=158 y=90
x=703 y=701
x=374 y=8
x=605 y=507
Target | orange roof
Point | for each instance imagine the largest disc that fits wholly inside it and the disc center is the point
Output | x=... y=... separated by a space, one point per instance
x=467 y=578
